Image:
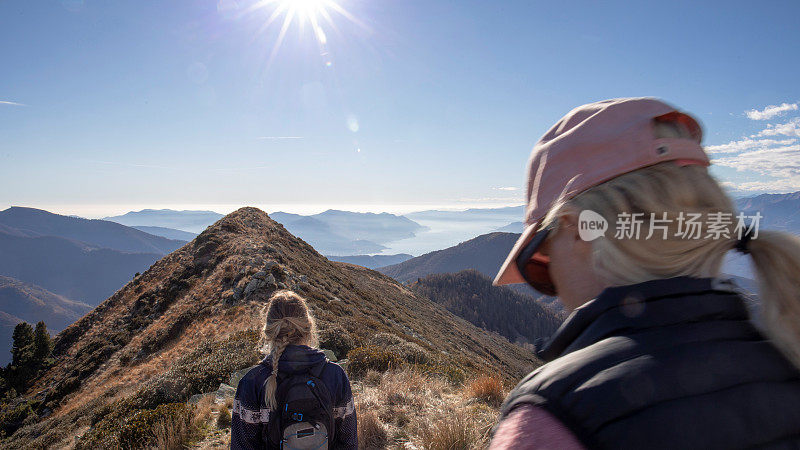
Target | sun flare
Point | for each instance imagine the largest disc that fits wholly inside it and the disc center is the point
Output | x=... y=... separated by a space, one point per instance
x=317 y=14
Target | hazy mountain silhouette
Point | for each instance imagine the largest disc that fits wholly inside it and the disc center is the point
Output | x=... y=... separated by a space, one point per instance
x=372 y=261
x=380 y=228
x=20 y=301
x=779 y=211
x=97 y=233
x=191 y=221
x=70 y=268
x=484 y=253
x=377 y=228
x=510 y=212
x=169 y=233
x=513 y=227
x=322 y=237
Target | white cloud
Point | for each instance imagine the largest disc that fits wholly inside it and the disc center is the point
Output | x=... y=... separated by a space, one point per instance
x=778 y=162
x=509 y=188
x=770 y=111
x=775 y=187
x=790 y=128
x=772 y=155
x=747 y=144
x=6 y=102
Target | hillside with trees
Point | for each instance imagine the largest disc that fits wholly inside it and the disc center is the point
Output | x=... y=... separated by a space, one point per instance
x=470 y=295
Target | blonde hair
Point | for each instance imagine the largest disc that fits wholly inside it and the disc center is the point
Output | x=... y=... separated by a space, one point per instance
x=678 y=191
x=288 y=321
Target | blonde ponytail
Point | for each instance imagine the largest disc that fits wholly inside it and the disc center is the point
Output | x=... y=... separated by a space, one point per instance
x=672 y=189
x=776 y=257
x=288 y=322
x=272 y=381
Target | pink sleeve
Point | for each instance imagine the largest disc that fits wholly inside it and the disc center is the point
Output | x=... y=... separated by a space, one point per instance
x=532 y=428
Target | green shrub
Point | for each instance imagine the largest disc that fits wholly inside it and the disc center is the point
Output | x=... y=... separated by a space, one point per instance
x=130 y=423
x=13 y=415
x=362 y=359
x=224 y=418
x=336 y=338
x=135 y=428
x=386 y=340
x=410 y=352
x=450 y=373
x=210 y=364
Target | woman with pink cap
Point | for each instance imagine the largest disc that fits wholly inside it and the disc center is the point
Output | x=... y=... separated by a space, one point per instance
x=626 y=226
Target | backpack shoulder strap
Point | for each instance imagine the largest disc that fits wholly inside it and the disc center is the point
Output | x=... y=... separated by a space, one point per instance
x=318 y=369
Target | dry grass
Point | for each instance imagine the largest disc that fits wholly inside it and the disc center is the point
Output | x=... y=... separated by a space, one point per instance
x=458 y=430
x=418 y=411
x=372 y=378
x=488 y=389
x=203 y=411
x=371 y=431
x=174 y=433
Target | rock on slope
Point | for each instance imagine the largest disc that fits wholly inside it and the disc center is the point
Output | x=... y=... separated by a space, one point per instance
x=193 y=302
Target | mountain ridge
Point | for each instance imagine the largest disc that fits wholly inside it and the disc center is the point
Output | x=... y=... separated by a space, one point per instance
x=94 y=232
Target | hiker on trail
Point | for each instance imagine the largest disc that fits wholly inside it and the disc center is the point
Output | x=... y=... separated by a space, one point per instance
x=658 y=351
x=303 y=401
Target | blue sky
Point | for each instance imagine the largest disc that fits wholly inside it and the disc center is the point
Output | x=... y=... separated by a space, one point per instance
x=112 y=106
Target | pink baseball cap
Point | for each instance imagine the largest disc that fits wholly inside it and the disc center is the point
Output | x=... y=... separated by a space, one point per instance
x=593 y=144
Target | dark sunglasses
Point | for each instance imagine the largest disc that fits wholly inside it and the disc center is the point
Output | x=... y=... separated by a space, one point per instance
x=533 y=270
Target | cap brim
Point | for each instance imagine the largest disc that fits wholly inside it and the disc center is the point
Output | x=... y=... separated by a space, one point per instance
x=509 y=274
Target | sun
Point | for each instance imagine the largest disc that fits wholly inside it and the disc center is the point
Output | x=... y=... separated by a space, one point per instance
x=318 y=14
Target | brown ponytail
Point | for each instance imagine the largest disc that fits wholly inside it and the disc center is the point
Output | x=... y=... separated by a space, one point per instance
x=288 y=322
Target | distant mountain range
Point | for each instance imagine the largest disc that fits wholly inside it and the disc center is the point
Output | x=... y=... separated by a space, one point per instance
x=322 y=237
x=513 y=227
x=26 y=302
x=510 y=212
x=169 y=233
x=332 y=232
x=484 y=253
x=95 y=233
x=380 y=228
x=336 y=232
x=69 y=268
x=372 y=261
x=80 y=259
x=191 y=221
x=778 y=211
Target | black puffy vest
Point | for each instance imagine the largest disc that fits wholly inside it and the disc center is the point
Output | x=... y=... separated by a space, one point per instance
x=672 y=363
